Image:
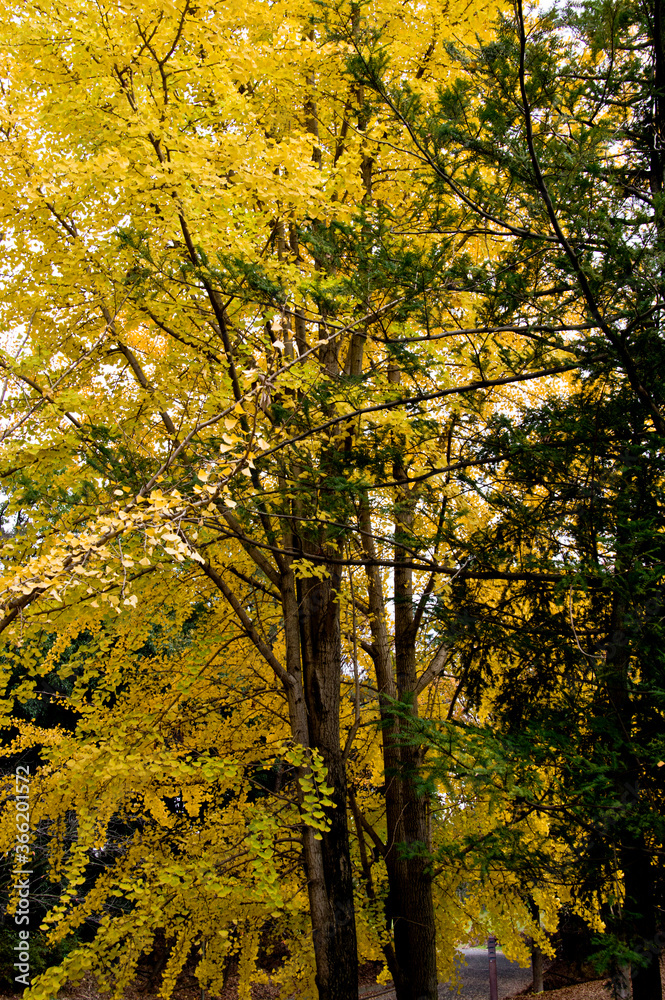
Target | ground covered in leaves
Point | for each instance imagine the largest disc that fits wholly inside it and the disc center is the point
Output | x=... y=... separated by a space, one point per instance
x=368 y=989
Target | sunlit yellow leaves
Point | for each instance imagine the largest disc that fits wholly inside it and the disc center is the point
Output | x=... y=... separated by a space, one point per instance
x=167 y=180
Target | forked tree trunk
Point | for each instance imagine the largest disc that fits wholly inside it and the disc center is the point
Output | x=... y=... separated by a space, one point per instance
x=313 y=657
x=410 y=910
x=321 y=654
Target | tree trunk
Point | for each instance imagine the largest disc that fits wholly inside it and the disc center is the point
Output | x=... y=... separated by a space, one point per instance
x=415 y=933
x=638 y=918
x=410 y=907
x=537 y=957
x=322 y=659
x=621 y=983
x=537 y=969
x=640 y=915
x=313 y=661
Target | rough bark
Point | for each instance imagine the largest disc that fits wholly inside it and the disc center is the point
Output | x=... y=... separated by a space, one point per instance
x=317 y=890
x=537 y=957
x=621 y=982
x=415 y=934
x=320 y=638
x=313 y=664
x=639 y=922
x=537 y=969
x=410 y=908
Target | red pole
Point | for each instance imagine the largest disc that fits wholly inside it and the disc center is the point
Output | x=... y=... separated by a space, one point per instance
x=491 y=951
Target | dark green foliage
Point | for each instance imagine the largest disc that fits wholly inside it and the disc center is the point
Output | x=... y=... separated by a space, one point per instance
x=42 y=956
x=551 y=142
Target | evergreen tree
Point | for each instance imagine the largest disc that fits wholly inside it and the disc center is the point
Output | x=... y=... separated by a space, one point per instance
x=550 y=142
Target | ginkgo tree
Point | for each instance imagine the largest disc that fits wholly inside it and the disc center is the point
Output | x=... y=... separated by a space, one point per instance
x=549 y=142
x=239 y=371
x=193 y=224
x=166 y=767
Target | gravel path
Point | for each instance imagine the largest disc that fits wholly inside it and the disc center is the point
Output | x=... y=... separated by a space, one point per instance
x=475 y=976
x=474 y=973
